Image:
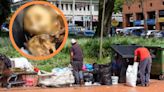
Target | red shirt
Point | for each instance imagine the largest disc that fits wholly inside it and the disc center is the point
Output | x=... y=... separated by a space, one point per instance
x=142 y=53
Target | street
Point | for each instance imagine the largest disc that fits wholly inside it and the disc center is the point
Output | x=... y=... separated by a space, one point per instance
x=155 y=86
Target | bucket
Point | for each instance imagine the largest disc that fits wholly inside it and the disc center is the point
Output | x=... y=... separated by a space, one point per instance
x=114 y=80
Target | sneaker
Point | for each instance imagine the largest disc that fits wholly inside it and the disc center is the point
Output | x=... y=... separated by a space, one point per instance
x=147 y=85
x=81 y=82
x=142 y=85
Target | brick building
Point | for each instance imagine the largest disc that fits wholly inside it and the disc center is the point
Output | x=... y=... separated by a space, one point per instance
x=153 y=11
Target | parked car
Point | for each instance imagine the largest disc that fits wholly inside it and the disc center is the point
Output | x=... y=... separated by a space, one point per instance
x=89 y=33
x=119 y=31
x=149 y=33
x=159 y=34
x=136 y=31
x=72 y=30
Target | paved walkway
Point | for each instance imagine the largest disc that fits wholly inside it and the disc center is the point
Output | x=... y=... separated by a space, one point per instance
x=155 y=86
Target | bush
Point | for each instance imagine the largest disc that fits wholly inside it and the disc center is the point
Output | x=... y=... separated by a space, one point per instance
x=90 y=47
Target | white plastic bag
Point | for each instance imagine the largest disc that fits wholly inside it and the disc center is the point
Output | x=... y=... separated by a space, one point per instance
x=131 y=74
x=62 y=76
x=22 y=63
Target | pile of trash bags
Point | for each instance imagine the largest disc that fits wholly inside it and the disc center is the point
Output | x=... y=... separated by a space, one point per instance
x=100 y=73
x=87 y=67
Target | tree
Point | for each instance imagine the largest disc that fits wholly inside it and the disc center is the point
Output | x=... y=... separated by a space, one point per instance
x=4 y=10
x=109 y=6
x=118 y=6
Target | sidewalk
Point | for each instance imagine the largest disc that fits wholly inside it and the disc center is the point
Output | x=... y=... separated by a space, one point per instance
x=155 y=86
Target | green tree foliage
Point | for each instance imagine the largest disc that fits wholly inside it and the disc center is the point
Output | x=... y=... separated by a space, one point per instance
x=4 y=10
x=118 y=6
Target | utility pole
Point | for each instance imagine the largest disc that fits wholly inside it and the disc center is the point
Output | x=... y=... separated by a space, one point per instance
x=73 y=13
x=91 y=15
x=102 y=29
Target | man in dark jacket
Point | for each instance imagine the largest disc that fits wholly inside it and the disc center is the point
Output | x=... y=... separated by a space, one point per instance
x=76 y=57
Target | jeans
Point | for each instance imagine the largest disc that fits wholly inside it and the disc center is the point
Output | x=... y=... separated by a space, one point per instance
x=144 y=70
x=77 y=71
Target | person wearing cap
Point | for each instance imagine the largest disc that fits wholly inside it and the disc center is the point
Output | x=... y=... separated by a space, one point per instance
x=76 y=57
x=145 y=62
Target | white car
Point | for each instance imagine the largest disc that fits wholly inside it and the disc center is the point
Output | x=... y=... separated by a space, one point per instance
x=119 y=30
x=159 y=34
x=149 y=33
x=137 y=31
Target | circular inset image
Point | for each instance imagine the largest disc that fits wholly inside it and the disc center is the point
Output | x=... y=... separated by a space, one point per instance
x=38 y=30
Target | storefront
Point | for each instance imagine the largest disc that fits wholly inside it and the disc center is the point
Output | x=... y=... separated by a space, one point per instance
x=161 y=23
x=139 y=23
x=151 y=24
x=129 y=20
x=161 y=19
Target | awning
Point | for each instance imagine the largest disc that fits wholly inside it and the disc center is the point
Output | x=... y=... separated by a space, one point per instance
x=138 y=22
x=161 y=19
x=151 y=22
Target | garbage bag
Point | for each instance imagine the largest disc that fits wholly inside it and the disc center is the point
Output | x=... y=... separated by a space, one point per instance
x=105 y=74
x=96 y=73
x=131 y=74
x=6 y=61
x=84 y=68
x=88 y=77
x=22 y=63
x=89 y=67
x=63 y=76
x=122 y=75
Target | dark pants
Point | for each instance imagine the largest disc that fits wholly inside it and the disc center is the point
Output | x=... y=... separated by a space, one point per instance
x=77 y=71
x=144 y=70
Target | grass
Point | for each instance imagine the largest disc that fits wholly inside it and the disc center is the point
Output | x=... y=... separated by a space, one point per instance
x=90 y=47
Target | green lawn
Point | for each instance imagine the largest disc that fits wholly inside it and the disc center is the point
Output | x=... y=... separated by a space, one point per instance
x=90 y=48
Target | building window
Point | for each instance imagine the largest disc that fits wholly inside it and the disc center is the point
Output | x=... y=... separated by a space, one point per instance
x=62 y=6
x=129 y=7
x=139 y=6
x=75 y=7
x=96 y=7
x=161 y=13
x=66 y=5
x=80 y=9
x=151 y=4
x=57 y=5
x=71 y=6
x=139 y=16
x=84 y=8
x=88 y=8
x=151 y=15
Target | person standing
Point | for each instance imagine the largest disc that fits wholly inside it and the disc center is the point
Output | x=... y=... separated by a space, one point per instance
x=76 y=57
x=145 y=62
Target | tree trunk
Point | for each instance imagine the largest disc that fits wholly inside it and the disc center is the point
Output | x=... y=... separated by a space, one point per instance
x=5 y=10
x=145 y=19
x=107 y=18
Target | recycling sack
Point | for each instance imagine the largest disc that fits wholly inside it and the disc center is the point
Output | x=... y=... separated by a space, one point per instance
x=131 y=74
x=62 y=76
